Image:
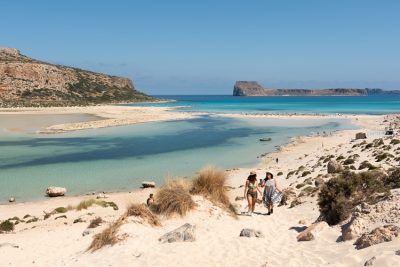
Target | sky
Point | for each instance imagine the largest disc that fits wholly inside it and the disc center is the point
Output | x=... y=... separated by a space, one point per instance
x=203 y=47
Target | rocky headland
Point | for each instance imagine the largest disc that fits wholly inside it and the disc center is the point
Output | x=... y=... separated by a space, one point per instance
x=252 y=88
x=25 y=81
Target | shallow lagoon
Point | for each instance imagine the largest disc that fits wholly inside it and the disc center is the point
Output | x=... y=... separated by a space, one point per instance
x=120 y=158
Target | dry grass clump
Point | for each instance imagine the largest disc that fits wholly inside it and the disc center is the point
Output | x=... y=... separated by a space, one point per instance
x=210 y=182
x=142 y=211
x=173 y=198
x=108 y=237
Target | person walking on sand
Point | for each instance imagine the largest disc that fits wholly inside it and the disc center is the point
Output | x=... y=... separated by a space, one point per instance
x=250 y=192
x=272 y=193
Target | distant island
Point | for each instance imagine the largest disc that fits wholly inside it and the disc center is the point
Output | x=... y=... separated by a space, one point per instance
x=29 y=82
x=252 y=88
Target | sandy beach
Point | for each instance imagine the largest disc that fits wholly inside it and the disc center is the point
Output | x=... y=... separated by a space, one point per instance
x=60 y=240
x=108 y=116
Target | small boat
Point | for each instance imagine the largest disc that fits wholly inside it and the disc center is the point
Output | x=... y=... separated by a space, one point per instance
x=265 y=139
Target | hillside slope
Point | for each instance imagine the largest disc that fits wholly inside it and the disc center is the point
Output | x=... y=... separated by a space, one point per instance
x=29 y=82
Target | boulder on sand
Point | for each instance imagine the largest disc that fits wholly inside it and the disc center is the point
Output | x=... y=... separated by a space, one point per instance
x=334 y=167
x=309 y=233
x=185 y=233
x=54 y=191
x=361 y=136
x=246 y=232
x=378 y=235
x=148 y=184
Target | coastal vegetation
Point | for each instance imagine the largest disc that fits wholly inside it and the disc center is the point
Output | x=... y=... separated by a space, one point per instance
x=341 y=194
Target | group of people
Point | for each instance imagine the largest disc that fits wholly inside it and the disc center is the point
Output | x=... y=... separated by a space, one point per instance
x=267 y=187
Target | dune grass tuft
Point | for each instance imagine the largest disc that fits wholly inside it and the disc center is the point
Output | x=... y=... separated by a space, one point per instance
x=210 y=183
x=107 y=237
x=142 y=211
x=173 y=198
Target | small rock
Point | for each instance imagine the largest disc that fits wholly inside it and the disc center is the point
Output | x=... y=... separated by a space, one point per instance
x=370 y=261
x=54 y=191
x=60 y=217
x=309 y=233
x=303 y=222
x=305 y=236
x=147 y=184
x=11 y=199
x=246 y=232
x=397 y=252
x=87 y=232
x=185 y=233
x=361 y=135
x=378 y=235
x=101 y=196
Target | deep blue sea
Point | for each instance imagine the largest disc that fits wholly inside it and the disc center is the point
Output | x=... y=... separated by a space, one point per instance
x=120 y=158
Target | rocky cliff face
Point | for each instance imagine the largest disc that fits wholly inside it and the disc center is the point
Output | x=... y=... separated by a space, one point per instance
x=251 y=88
x=28 y=82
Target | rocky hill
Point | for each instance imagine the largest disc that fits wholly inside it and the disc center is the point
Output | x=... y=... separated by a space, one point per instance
x=252 y=88
x=29 y=82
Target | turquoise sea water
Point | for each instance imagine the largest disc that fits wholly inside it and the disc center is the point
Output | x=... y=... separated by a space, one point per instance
x=383 y=104
x=120 y=158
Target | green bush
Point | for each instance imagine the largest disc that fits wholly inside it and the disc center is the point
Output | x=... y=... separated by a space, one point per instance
x=305 y=173
x=348 y=161
x=298 y=186
x=341 y=194
x=340 y=157
x=6 y=226
x=279 y=174
x=383 y=156
x=395 y=142
x=392 y=181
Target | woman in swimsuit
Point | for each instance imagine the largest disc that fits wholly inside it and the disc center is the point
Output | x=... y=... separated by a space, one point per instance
x=250 y=191
x=272 y=192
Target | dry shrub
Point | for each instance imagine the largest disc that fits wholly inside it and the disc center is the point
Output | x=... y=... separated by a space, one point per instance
x=95 y=222
x=173 y=197
x=142 y=211
x=108 y=237
x=210 y=183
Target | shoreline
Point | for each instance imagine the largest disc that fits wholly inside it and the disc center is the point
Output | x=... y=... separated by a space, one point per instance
x=63 y=240
x=264 y=159
x=109 y=116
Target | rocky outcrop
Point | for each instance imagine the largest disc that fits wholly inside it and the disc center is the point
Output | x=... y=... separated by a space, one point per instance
x=148 y=184
x=54 y=191
x=246 y=232
x=29 y=82
x=252 y=88
x=378 y=235
x=366 y=217
x=185 y=233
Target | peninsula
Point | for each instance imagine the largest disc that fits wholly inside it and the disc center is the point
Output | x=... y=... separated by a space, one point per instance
x=27 y=82
x=252 y=88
